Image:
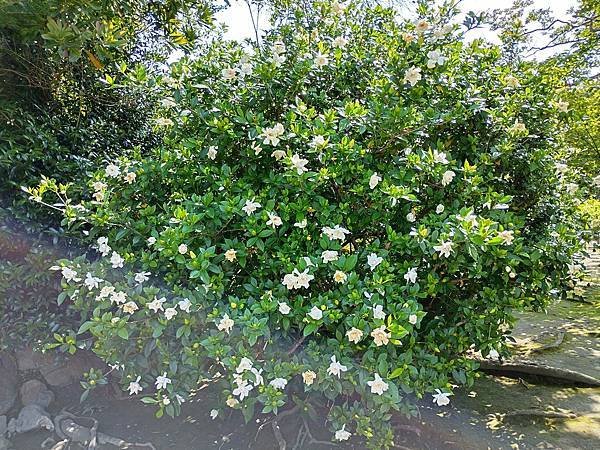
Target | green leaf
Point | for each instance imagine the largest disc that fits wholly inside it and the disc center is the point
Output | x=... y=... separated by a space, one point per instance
x=85 y=326
x=123 y=333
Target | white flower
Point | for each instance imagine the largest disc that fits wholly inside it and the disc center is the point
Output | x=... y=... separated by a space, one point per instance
x=170 y=313
x=571 y=188
x=519 y=127
x=378 y=312
x=443 y=31
x=321 y=60
x=318 y=141
x=303 y=278
x=168 y=102
x=422 y=25
x=373 y=261
x=329 y=255
x=245 y=364
x=279 y=383
x=411 y=217
x=162 y=381
x=301 y=224
x=92 y=282
x=228 y=74
x=230 y=255
x=337 y=8
x=354 y=335
x=102 y=246
x=116 y=260
x=335 y=233
x=118 y=297
x=272 y=135
x=151 y=240
x=413 y=75
x=156 y=304
x=493 y=355
x=213 y=414
x=278 y=47
x=380 y=336
x=251 y=206
x=243 y=389
x=226 y=324
x=335 y=368
x=561 y=168
x=342 y=434
x=512 y=82
x=185 y=305
x=441 y=398
x=447 y=177
x=274 y=220
x=163 y=122
x=340 y=42
x=374 y=180
x=112 y=171
x=258 y=378
x=278 y=59
x=378 y=386
x=141 y=277
x=412 y=319
x=562 y=106
x=182 y=249
x=135 y=387
x=439 y=157
x=445 y=248
x=411 y=275
x=299 y=164
x=308 y=377
x=507 y=236
x=105 y=292
x=284 y=308
x=212 y=152
x=245 y=69
x=470 y=218
x=439 y=209
x=278 y=154
x=339 y=276
x=130 y=307
x=130 y=177
x=290 y=281
x=69 y=274
x=232 y=402
x=435 y=57
x=315 y=313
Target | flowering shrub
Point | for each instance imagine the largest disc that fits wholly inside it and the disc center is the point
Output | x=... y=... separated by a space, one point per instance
x=337 y=221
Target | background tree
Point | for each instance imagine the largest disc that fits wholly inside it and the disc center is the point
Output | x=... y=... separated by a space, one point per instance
x=70 y=81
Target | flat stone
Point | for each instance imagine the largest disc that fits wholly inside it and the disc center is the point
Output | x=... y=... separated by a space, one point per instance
x=58 y=369
x=32 y=417
x=63 y=372
x=9 y=379
x=26 y=359
x=34 y=392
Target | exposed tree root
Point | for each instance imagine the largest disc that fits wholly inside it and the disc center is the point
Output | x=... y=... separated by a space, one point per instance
x=303 y=438
x=533 y=368
x=278 y=435
x=66 y=426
